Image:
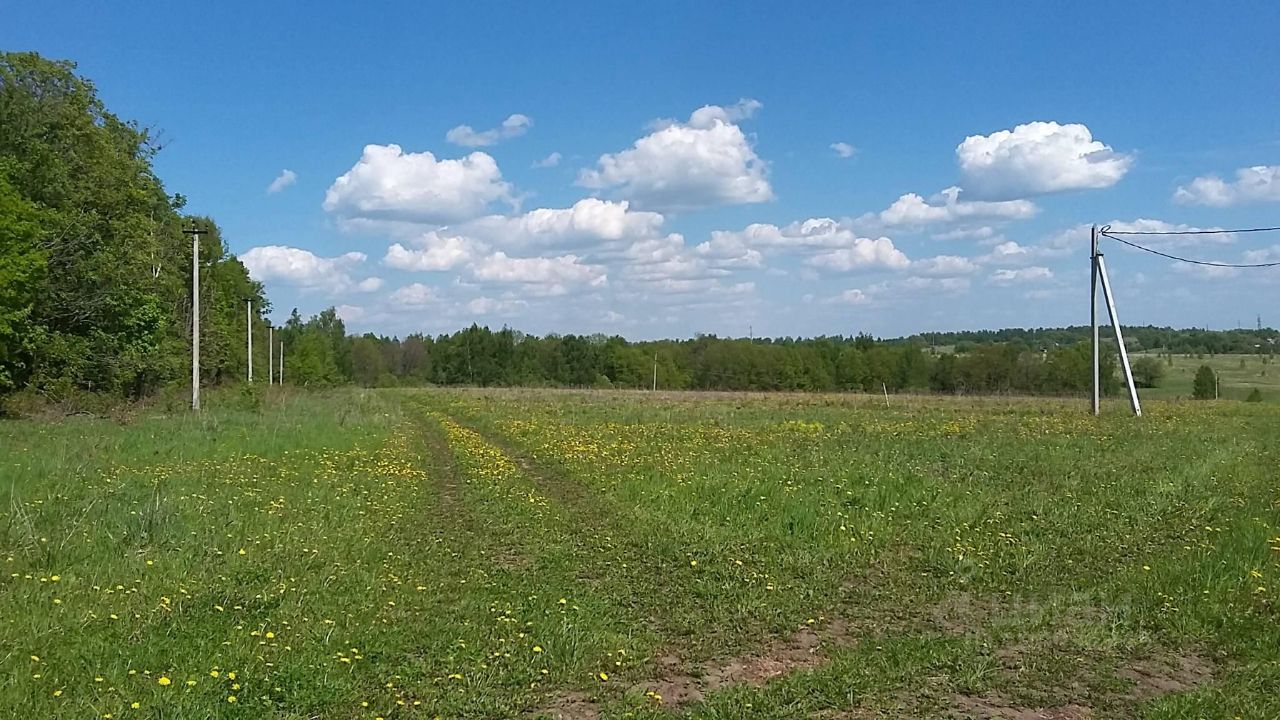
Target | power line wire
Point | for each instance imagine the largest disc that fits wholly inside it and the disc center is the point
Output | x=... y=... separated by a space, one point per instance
x=1189 y=260
x=1106 y=230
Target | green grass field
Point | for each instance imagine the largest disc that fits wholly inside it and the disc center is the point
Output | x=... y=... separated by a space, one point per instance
x=1238 y=375
x=522 y=554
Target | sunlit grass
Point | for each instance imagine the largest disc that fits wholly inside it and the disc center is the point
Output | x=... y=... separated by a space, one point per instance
x=478 y=554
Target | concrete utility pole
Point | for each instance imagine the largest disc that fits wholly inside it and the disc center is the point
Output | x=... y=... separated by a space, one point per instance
x=195 y=234
x=1115 y=325
x=655 y=372
x=248 y=330
x=1098 y=272
x=280 y=373
x=271 y=351
x=1093 y=316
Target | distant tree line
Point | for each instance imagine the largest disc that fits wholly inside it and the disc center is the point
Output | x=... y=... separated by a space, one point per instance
x=479 y=356
x=1149 y=337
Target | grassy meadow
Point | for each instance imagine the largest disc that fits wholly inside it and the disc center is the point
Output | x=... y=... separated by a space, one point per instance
x=524 y=554
x=1238 y=375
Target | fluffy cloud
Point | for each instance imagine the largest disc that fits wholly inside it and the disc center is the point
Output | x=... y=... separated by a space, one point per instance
x=844 y=150
x=864 y=253
x=984 y=234
x=1022 y=275
x=852 y=296
x=540 y=275
x=657 y=260
x=302 y=268
x=841 y=248
x=944 y=266
x=389 y=184
x=414 y=296
x=1260 y=183
x=349 y=313
x=492 y=306
x=436 y=253
x=1038 y=158
x=683 y=166
x=282 y=181
x=514 y=126
x=1265 y=255
x=1010 y=253
x=947 y=207
x=370 y=284
x=551 y=160
x=588 y=223
x=1076 y=238
x=726 y=249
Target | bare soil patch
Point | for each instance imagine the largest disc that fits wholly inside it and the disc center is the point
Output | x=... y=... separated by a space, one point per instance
x=569 y=706
x=994 y=707
x=801 y=651
x=1166 y=675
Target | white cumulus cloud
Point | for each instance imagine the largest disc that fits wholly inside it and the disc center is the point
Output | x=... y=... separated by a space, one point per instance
x=435 y=252
x=704 y=162
x=840 y=246
x=551 y=160
x=540 y=275
x=852 y=296
x=947 y=207
x=514 y=126
x=590 y=222
x=1257 y=184
x=282 y=181
x=302 y=267
x=843 y=149
x=414 y=296
x=1021 y=275
x=944 y=266
x=390 y=184
x=495 y=306
x=1038 y=158
x=863 y=253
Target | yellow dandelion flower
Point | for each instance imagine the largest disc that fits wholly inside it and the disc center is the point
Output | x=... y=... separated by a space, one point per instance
x=163 y=681
x=231 y=698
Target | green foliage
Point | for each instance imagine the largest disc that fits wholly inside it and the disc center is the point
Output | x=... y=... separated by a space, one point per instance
x=22 y=267
x=87 y=229
x=1147 y=372
x=1255 y=395
x=1206 y=384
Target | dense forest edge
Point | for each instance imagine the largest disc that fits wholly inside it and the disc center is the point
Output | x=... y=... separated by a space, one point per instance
x=95 y=277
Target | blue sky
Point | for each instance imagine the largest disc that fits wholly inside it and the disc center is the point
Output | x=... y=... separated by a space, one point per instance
x=662 y=169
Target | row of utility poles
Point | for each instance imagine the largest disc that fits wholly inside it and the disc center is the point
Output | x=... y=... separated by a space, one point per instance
x=278 y=377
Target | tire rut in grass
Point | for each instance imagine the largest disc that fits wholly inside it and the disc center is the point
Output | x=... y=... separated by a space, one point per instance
x=456 y=518
x=587 y=507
